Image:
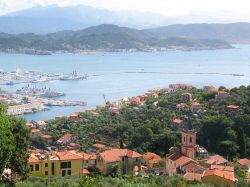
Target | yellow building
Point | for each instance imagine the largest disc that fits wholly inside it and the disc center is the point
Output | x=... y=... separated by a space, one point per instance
x=219 y=178
x=67 y=163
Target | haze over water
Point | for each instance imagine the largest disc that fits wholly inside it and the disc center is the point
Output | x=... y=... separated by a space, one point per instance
x=119 y=75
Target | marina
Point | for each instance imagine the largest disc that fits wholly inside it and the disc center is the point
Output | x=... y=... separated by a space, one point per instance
x=19 y=76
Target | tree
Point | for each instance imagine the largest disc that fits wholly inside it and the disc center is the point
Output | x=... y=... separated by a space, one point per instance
x=14 y=143
x=242 y=143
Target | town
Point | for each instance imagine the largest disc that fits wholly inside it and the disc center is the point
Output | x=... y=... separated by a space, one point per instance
x=61 y=152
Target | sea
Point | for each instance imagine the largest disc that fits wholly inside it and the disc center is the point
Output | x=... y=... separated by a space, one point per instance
x=114 y=76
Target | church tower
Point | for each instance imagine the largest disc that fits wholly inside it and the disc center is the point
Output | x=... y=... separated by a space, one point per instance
x=188 y=143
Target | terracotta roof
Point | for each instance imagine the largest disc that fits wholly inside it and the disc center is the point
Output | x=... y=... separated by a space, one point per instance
x=177 y=121
x=41 y=123
x=33 y=159
x=193 y=176
x=223 y=168
x=33 y=131
x=216 y=159
x=244 y=162
x=85 y=171
x=69 y=155
x=46 y=136
x=232 y=107
x=174 y=156
x=219 y=173
x=65 y=137
x=89 y=156
x=150 y=155
x=183 y=160
x=192 y=166
x=114 y=155
x=74 y=115
x=98 y=146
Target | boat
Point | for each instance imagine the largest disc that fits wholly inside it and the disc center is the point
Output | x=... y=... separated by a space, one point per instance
x=73 y=76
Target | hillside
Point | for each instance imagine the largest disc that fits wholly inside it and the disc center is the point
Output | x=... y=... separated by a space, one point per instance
x=233 y=33
x=103 y=38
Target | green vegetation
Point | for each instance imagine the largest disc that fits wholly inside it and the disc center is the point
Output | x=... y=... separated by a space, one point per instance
x=14 y=144
x=103 y=37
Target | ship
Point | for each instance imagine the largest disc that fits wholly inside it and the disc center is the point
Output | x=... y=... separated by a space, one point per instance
x=73 y=76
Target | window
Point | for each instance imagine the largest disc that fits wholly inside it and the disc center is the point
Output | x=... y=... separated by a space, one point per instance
x=63 y=173
x=87 y=161
x=53 y=168
x=184 y=139
x=37 y=167
x=46 y=165
x=31 y=168
x=46 y=173
x=69 y=172
x=63 y=165
x=69 y=164
x=190 y=139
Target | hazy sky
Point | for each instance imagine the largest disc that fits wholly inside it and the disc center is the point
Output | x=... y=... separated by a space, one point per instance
x=226 y=9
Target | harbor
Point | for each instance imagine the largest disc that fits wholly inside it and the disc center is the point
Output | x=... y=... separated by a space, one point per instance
x=26 y=76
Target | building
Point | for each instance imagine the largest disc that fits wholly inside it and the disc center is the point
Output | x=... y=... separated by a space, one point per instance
x=98 y=147
x=177 y=124
x=65 y=163
x=222 y=95
x=188 y=143
x=89 y=160
x=209 y=89
x=233 y=109
x=29 y=125
x=244 y=162
x=47 y=139
x=73 y=117
x=186 y=97
x=196 y=107
x=35 y=134
x=181 y=86
x=129 y=161
x=192 y=176
x=181 y=106
x=25 y=108
x=65 y=139
x=41 y=125
x=213 y=160
x=151 y=160
x=135 y=101
x=219 y=178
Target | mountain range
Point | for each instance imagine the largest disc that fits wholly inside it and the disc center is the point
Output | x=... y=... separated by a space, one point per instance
x=104 y=37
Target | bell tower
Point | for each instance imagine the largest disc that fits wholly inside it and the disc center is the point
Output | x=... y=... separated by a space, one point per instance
x=188 y=143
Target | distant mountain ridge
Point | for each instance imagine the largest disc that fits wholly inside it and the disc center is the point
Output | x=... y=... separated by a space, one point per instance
x=233 y=33
x=105 y=37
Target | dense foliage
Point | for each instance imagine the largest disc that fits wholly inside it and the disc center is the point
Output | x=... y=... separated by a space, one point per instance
x=14 y=144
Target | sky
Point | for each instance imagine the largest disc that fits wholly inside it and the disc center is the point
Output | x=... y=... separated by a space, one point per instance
x=222 y=9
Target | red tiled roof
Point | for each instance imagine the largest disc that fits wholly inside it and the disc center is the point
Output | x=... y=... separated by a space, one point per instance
x=192 y=166
x=216 y=159
x=150 y=155
x=183 y=160
x=65 y=137
x=85 y=171
x=232 y=107
x=33 y=159
x=98 y=146
x=177 y=121
x=114 y=155
x=193 y=176
x=219 y=173
x=244 y=162
x=41 y=123
x=174 y=156
x=89 y=156
x=69 y=155
x=46 y=136
x=223 y=168
x=34 y=131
